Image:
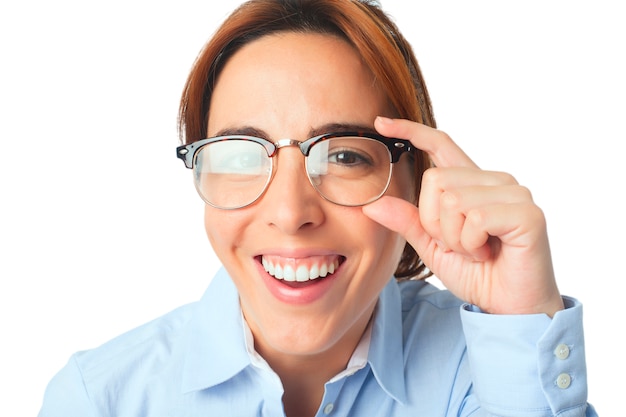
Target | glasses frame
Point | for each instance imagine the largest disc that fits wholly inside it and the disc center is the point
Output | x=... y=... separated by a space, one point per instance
x=187 y=153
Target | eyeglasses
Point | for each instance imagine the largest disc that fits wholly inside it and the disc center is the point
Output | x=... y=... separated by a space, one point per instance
x=348 y=168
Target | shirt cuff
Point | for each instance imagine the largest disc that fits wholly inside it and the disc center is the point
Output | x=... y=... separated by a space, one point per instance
x=527 y=364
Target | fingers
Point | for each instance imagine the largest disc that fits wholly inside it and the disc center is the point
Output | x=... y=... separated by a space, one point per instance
x=480 y=232
x=437 y=181
x=463 y=208
x=402 y=217
x=438 y=145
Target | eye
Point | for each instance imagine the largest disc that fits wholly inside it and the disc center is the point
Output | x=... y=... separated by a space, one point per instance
x=238 y=162
x=349 y=158
x=233 y=157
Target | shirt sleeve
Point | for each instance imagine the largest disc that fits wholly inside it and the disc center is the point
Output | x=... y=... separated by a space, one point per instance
x=66 y=395
x=528 y=365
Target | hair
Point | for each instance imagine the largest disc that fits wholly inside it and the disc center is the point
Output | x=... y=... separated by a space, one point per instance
x=369 y=30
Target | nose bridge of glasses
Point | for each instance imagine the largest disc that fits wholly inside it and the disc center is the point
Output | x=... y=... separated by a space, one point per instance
x=284 y=143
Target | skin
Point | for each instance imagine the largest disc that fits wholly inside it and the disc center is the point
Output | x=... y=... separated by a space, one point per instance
x=294 y=86
x=478 y=231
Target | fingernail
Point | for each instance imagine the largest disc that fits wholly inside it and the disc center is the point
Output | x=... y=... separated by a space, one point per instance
x=384 y=120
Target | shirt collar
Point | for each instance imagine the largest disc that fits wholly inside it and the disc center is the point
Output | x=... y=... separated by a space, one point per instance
x=358 y=360
x=215 y=332
x=386 y=354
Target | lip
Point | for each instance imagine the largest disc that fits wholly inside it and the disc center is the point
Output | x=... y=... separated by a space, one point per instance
x=298 y=293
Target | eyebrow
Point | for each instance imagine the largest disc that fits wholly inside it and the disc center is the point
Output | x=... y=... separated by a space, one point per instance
x=340 y=128
x=316 y=131
x=242 y=131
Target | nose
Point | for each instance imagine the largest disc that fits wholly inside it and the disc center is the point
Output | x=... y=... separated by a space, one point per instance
x=290 y=202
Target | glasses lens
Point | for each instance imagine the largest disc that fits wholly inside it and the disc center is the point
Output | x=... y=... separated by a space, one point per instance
x=231 y=173
x=350 y=171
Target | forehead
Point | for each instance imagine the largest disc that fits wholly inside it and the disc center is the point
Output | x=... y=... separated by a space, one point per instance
x=295 y=79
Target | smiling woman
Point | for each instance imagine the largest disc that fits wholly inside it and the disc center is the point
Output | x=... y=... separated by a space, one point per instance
x=309 y=131
x=322 y=320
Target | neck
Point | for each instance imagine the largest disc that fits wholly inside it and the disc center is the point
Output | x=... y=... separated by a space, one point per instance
x=304 y=375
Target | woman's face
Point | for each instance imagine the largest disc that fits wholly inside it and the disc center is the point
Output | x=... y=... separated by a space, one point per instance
x=293 y=86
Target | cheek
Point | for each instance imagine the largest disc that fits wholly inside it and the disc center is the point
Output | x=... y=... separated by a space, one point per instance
x=394 y=246
x=214 y=234
x=223 y=229
x=386 y=247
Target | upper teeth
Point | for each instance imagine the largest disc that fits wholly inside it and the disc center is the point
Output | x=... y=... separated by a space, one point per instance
x=300 y=273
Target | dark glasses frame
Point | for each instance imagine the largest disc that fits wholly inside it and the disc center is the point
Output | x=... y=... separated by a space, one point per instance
x=396 y=146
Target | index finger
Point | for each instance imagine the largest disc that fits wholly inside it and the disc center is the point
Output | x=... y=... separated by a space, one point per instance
x=443 y=151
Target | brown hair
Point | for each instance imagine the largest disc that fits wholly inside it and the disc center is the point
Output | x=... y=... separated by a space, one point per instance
x=362 y=24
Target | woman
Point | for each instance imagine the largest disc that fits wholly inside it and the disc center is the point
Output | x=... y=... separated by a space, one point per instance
x=310 y=134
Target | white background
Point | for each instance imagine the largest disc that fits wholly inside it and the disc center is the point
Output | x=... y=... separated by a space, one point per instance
x=101 y=229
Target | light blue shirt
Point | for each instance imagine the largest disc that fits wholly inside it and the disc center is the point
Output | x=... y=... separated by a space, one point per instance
x=429 y=355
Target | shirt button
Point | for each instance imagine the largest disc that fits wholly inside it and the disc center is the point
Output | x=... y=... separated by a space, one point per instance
x=562 y=351
x=563 y=381
x=329 y=408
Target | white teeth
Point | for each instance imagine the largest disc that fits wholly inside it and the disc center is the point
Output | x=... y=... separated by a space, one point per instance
x=268 y=266
x=278 y=272
x=301 y=273
x=288 y=273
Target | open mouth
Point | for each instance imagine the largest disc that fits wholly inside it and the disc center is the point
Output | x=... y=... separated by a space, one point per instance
x=301 y=270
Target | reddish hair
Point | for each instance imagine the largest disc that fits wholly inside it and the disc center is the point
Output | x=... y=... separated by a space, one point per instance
x=362 y=24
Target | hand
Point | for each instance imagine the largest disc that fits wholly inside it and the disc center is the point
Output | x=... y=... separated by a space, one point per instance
x=479 y=232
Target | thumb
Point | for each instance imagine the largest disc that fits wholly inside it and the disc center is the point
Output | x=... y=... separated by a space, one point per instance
x=402 y=217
